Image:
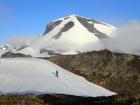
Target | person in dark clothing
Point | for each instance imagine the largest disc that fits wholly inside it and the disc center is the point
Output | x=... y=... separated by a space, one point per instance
x=57 y=73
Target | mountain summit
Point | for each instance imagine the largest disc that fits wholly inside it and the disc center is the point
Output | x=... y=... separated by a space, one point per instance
x=100 y=29
x=70 y=35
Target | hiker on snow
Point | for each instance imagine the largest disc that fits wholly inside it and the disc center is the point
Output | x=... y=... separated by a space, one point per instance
x=57 y=73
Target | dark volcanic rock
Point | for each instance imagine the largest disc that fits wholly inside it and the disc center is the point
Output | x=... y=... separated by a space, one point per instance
x=10 y=54
x=51 y=26
x=117 y=72
x=29 y=99
x=75 y=100
x=50 y=52
x=66 y=27
x=13 y=99
x=90 y=27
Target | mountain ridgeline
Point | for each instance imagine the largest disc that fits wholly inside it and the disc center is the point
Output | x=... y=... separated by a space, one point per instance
x=87 y=23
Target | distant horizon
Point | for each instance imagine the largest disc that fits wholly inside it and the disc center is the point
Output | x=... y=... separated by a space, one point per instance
x=29 y=17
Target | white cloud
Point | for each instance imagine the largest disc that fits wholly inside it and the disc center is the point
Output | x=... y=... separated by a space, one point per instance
x=126 y=38
x=17 y=41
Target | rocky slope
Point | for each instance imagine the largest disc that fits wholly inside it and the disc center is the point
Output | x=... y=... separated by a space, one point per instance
x=30 y=99
x=115 y=71
x=10 y=54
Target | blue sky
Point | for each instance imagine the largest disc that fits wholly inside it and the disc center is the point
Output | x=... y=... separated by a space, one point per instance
x=29 y=17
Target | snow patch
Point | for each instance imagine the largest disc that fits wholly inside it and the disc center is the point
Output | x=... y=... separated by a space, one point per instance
x=39 y=77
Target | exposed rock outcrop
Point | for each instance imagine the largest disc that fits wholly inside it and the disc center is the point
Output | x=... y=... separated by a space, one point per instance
x=114 y=71
x=31 y=99
x=11 y=54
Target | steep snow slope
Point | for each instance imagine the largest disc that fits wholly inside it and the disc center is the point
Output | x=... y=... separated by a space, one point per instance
x=70 y=35
x=39 y=77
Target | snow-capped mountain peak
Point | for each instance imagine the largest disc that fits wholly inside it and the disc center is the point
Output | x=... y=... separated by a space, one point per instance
x=92 y=25
x=70 y=35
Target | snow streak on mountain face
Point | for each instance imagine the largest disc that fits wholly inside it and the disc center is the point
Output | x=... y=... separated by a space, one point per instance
x=70 y=35
x=43 y=77
x=90 y=24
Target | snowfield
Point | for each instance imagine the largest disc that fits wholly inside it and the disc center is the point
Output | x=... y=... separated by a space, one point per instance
x=31 y=75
